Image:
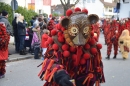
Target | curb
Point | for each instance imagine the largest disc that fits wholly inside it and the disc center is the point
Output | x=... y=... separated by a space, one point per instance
x=19 y=58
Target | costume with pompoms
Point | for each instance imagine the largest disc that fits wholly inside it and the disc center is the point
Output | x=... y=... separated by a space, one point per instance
x=73 y=52
x=4 y=41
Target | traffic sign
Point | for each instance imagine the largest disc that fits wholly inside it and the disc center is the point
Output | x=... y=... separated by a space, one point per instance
x=14 y=4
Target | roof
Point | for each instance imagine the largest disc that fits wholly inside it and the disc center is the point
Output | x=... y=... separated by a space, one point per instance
x=107 y=4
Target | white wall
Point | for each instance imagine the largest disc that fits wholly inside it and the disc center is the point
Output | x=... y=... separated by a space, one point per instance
x=124 y=10
x=93 y=8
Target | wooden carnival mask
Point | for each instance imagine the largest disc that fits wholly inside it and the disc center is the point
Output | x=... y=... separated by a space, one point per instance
x=78 y=27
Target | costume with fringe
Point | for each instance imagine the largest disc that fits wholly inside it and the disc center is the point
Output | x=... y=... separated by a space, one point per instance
x=4 y=41
x=73 y=53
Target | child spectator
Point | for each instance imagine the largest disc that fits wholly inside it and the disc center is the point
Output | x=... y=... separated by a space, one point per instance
x=45 y=36
x=36 y=40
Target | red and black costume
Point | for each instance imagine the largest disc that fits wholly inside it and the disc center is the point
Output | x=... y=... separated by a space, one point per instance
x=112 y=38
x=51 y=24
x=73 y=53
x=4 y=41
x=96 y=30
x=106 y=26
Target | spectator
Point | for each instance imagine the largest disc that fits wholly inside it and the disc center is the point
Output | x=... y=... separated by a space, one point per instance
x=35 y=19
x=32 y=21
x=30 y=32
x=4 y=19
x=41 y=22
x=15 y=29
x=21 y=25
x=36 y=40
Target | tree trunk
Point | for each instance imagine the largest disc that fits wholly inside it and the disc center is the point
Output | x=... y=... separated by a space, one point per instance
x=65 y=9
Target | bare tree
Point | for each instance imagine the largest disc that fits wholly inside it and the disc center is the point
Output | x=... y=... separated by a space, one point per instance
x=66 y=4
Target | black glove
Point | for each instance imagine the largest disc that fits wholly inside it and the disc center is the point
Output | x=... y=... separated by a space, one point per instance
x=113 y=39
x=62 y=78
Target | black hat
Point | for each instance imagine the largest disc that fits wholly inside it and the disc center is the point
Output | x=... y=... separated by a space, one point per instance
x=4 y=13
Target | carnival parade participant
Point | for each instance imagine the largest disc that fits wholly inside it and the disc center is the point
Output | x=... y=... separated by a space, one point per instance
x=106 y=26
x=4 y=41
x=124 y=43
x=96 y=29
x=112 y=39
x=51 y=24
x=73 y=57
x=44 y=38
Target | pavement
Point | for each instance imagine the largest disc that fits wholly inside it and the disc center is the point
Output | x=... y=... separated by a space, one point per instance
x=15 y=56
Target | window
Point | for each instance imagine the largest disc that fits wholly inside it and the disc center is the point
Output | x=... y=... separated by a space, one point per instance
x=110 y=9
x=106 y=9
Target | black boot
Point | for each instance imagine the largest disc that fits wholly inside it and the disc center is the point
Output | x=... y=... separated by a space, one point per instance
x=114 y=57
x=108 y=57
x=24 y=52
x=21 y=52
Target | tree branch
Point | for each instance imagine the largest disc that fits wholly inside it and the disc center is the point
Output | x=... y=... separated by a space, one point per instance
x=65 y=2
x=75 y=3
x=62 y=3
x=68 y=2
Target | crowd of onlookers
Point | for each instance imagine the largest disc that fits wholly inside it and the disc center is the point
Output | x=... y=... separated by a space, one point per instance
x=32 y=36
x=26 y=36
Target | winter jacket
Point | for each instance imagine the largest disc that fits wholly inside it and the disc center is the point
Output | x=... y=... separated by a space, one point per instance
x=7 y=24
x=35 y=41
x=21 y=28
x=14 y=24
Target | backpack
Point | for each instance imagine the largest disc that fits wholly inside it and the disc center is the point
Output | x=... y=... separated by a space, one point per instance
x=4 y=37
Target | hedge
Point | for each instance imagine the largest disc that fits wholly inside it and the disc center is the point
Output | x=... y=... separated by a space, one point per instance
x=28 y=14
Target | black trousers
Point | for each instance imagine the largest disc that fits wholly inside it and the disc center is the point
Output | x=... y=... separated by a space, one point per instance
x=36 y=53
x=17 y=43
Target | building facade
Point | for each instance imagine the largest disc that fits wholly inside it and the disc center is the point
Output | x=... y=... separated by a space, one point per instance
x=37 y=5
x=103 y=8
x=124 y=11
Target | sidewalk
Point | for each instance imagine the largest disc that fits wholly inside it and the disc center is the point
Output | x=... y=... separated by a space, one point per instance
x=15 y=56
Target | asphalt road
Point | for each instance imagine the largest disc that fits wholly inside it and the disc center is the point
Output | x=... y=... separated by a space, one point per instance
x=24 y=72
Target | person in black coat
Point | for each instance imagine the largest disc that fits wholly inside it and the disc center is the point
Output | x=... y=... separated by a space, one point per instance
x=15 y=29
x=21 y=25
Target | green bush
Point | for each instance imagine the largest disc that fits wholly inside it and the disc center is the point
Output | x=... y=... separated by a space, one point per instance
x=55 y=14
x=28 y=14
x=45 y=15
